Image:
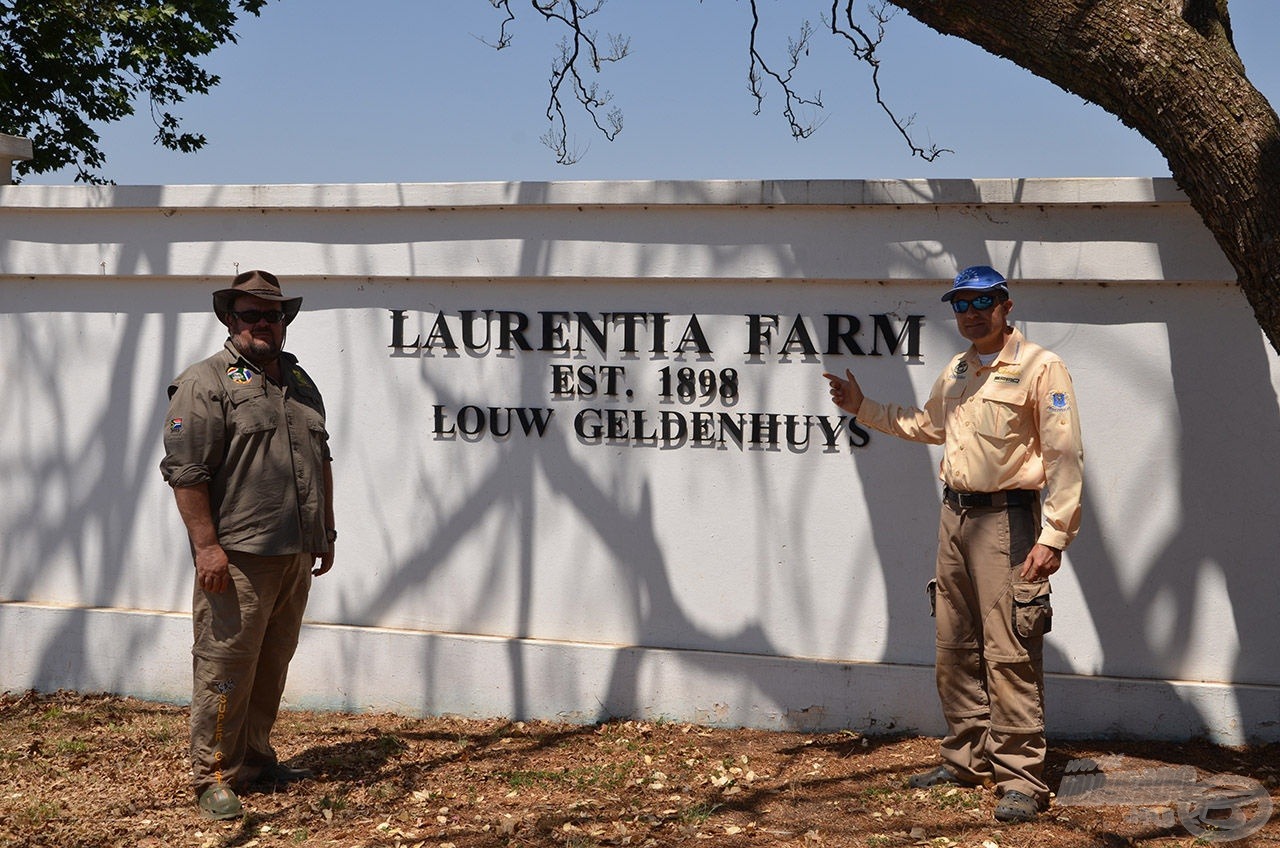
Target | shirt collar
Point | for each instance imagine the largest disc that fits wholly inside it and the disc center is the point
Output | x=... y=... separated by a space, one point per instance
x=238 y=359
x=1010 y=354
x=287 y=360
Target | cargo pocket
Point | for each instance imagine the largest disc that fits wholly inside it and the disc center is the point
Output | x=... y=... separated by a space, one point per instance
x=1032 y=612
x=931 y=589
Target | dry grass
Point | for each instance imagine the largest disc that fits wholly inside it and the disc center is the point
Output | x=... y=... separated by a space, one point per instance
x=94 y=770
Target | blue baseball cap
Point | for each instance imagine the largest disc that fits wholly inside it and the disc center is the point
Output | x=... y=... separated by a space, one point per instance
x=977 y=278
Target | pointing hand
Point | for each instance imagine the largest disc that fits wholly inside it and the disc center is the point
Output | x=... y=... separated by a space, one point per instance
x=845 y=392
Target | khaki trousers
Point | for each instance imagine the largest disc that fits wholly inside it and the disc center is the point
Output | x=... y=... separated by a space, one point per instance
x=244 y=639
x=990 y=638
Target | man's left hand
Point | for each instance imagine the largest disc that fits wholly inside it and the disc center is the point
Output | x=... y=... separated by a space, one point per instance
x=326 y=562
x=1040 y=563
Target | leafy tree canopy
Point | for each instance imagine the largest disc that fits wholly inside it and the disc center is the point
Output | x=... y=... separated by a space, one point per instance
x=68 y=65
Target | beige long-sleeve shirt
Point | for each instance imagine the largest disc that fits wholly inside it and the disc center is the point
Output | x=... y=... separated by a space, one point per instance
x=1008 y=425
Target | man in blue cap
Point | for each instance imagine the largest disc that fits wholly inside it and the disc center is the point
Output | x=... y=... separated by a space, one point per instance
x=1005 y=412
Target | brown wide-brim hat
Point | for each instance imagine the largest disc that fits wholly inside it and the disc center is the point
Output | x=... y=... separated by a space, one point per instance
x=261 y=284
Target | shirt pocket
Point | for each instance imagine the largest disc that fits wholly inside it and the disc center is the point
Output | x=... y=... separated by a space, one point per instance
x=953 y=392
x=319 y=436
x=251 y=412
x=1002 y=407
x=312 y=410
x=309 y=406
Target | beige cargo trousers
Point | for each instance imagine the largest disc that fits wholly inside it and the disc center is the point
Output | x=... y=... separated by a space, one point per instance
x=244 y=639
x=990 y=637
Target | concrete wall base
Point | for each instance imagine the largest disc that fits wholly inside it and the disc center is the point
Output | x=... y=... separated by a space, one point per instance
x=355 y=669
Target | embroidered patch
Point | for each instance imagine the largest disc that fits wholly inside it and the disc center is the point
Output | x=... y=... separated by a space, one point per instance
x=1058 y=400
x=301 y=378
x=240 y=374
x=224 y=687
x=175 y=425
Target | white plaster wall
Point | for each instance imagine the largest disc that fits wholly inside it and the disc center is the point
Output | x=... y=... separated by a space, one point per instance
x=545 y=576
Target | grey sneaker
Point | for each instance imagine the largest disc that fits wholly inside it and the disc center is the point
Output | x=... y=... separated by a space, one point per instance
x=219 y=803
x=1017 y=807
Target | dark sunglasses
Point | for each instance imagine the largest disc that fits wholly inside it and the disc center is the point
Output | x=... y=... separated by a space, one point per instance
x=982 y=303
x=253 y=316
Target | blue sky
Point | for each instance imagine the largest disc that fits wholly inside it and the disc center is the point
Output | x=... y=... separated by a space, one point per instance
x=329 y=91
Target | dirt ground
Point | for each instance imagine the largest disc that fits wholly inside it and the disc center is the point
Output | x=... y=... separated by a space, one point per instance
x=96 y=770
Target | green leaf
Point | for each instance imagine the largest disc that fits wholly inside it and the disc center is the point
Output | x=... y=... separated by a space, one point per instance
x=67 y=66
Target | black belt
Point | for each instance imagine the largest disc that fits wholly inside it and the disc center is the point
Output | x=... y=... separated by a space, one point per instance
x=973 y=500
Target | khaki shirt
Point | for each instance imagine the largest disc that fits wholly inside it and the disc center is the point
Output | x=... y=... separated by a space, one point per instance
x=1008 y=425
x=260 y=447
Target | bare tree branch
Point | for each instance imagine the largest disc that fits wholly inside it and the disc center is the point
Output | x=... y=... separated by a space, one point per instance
x=580 y=51
x=578 y=44
x=863 y=47
x=795 y=49
x=504 y=37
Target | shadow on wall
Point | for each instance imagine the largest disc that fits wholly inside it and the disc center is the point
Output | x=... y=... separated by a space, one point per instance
x=1223 y=495
x=1210 y=540
x=623 y=521
x=80 y=521
x=1227 y=461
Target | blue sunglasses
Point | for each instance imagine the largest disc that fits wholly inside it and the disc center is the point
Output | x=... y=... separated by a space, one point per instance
x=982 y=303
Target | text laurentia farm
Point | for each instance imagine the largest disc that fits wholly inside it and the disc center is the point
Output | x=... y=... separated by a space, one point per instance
x=653 y=379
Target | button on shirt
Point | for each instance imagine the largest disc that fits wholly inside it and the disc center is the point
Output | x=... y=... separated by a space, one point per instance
x=1008 y=425
x=259 y=446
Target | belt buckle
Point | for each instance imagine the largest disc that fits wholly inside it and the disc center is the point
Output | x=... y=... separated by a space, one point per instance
x=968 y=500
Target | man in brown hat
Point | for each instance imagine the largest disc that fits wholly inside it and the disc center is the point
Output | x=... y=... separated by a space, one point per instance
x=246 y=452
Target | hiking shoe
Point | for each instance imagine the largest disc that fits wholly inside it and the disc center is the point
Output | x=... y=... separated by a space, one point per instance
x=218 y=802
x=941 y=776
x=1017 y=807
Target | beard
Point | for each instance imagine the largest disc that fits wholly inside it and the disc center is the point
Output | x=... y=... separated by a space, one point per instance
x=257 y=350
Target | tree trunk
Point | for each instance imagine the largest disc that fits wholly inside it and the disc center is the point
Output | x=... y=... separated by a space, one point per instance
x=1168 y=69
